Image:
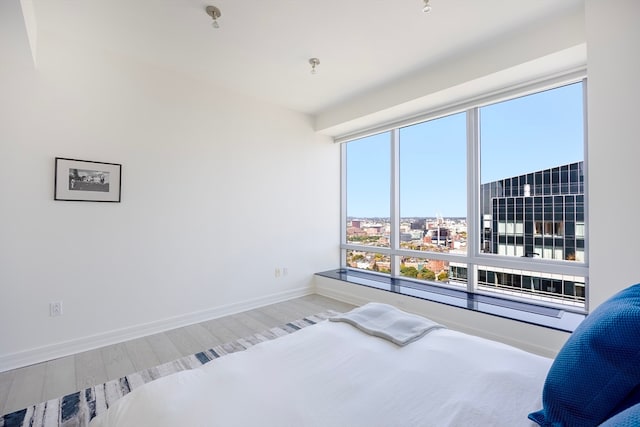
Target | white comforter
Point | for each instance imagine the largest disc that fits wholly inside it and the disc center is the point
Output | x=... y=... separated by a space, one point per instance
x=331 y=374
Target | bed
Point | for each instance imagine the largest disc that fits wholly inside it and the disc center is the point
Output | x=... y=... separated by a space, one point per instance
x=335 y=373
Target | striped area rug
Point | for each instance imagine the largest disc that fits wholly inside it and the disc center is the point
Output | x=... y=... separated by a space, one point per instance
x=77 y=409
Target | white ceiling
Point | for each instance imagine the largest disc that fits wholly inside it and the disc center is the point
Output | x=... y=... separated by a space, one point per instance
x=262 y=47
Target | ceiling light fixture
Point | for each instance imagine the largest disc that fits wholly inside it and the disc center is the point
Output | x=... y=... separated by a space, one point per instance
x=314 y=63
x=214 y=12
x=427 y=7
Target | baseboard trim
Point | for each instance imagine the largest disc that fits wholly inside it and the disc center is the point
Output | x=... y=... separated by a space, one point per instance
x=67 y=348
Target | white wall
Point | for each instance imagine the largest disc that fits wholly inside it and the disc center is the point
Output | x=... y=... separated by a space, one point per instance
x=614 y=145
x=217 y=191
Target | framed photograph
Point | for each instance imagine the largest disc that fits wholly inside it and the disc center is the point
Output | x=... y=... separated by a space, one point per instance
x=87 y=181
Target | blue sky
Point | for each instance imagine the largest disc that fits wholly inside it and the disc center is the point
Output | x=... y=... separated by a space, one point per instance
x=517 y=136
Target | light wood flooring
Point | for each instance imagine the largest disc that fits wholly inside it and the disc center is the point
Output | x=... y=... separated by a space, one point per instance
x=23 y=387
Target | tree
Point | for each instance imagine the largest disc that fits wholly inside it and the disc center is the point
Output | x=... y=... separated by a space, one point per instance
x=409 y=271
x=357 y=257
x=427 y=274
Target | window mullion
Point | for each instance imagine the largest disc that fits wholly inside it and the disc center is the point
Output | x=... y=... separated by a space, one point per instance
x=343 y=204
x=394 y=238
x=586 y=183
x=474 y=223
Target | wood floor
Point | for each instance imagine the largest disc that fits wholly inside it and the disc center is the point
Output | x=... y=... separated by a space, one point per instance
x=33 y=384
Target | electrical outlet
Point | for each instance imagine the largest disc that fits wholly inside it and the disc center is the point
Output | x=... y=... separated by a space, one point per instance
x=55 y=308
x=285 y=271
x=277 y=272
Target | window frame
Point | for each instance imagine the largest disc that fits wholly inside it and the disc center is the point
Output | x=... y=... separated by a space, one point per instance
x=474 y=256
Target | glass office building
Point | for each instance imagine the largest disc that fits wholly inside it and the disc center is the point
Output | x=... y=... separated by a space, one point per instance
x=539 y=214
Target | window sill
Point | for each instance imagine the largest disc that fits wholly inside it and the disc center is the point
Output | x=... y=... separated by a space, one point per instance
x=548 y=317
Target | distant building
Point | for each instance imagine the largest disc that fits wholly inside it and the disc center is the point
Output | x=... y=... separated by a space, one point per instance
x=539 y=214
x=418 y=224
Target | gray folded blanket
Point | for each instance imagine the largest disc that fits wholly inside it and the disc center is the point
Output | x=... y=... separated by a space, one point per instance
x=386 y=321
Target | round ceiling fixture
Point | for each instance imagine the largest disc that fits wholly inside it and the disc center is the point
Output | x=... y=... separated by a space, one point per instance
x=214 y=13
x=314 y=63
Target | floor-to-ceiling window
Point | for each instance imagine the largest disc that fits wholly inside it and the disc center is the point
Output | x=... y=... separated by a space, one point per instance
x=488 y=198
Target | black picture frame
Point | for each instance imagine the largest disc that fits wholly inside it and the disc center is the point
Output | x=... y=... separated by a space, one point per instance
x=87 y=181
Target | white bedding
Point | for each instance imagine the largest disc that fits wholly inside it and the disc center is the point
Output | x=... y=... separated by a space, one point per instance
x=332 y=374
